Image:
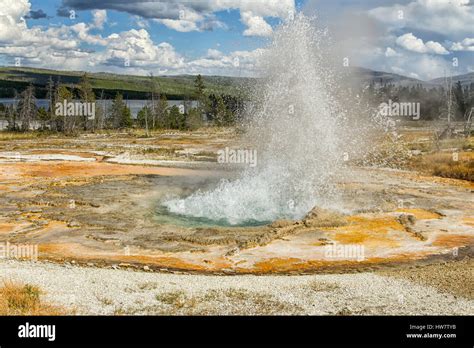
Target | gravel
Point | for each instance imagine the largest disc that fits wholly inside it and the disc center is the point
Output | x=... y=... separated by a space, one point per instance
x=455 y=277
x=89 y=290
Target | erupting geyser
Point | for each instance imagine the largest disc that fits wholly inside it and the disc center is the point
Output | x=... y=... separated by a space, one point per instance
x=294 y=127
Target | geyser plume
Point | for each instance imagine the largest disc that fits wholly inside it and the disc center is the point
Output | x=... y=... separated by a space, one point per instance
x=294 y=127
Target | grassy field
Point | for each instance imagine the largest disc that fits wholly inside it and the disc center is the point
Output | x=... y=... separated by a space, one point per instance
x=25 y=299
x=451 y=158
x=135 y=87
x=457 y=165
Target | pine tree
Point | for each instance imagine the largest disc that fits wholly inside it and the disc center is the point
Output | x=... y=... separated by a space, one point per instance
x=63 y=123
x=194 y=119
x=43 y=117
x=86 y=94
x=121 y=115
x=154 y=97
x=126 y=117
x=200 y=96
x=460 y=100
x=176 y=119
x=142 y=117
x=12 y=115
x=161 y=111
x=221 y=113
x=51 y=96
x=27 y=107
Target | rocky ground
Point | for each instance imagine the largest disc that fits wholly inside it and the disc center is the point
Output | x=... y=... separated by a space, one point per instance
x=107 y=213
x=416 y=291
x=90 y=204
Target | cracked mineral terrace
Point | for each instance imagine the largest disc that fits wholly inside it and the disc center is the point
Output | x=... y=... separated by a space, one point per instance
x=103 y=212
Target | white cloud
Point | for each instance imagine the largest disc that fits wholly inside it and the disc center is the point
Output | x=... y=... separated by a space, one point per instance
x=14 y=10
x=236 y=63
x=412 y=43
x=465 y=45
x=214 y=54
x=197 y=15
x=256 y=25
x=449 y=21
x=140 y=22
x=188 y=20
x=54 y=45
x=447 y=17
x=420 y=66
x=100 y=17
x=405 y=62
x=60 y=47
x=131 y=51
x=192 y=21
x=435 y=47
x=82 y=31
x=390 y=52
x=12 y=23
x=136 y=49
x=179 y=25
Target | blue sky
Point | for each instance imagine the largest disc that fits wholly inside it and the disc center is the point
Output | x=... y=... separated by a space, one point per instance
x=193 y=43
x=419 y=38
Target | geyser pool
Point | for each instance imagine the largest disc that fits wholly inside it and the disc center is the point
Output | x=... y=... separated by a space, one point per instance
x=165 y=217
x=295 y=130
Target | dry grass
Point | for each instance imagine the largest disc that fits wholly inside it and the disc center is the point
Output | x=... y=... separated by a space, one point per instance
x=458 y=171
x=440 y=159
x=245 y=302
x=319 y=286
x=218 y=302
x=454 y=277
x=7 y=135
x=162 y=151
x=25 y=299
x=177 y=299
x=444 y=164
x=104 y=300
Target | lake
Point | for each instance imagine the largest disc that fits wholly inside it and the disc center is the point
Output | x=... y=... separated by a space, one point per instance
x=135 y=105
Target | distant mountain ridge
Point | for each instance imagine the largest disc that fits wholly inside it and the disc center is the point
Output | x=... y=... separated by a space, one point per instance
x=466 y=79
x=131 y=86
x=182 y=86
x=366 y=76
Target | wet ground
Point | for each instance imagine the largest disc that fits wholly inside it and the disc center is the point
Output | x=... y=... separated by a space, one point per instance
x=95 y=200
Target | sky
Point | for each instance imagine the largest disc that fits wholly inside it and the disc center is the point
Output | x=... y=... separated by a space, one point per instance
x=424 y=39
